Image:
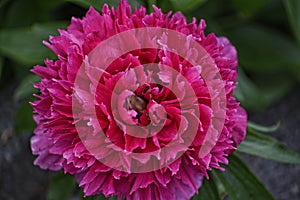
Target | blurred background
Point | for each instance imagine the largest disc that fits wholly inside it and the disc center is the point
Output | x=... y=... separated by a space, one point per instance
x=266 y=34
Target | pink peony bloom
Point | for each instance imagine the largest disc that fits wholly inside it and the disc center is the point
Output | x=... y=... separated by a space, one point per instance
x=139 y=128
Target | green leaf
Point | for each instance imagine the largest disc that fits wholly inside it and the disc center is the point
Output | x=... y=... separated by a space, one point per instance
x=264 y=90
x=49 y=28
x=208 y=190
x=150 y=5
x=2 y=3
x=97 y=4
x=267 y=147
x=25 y=88
x=293 y=11
x=61 y=187
x=264 y=129
x=248 y=8
x=22 y=13
x=51 y=4
x=24 y=120
x=186 y=5
x=241 y=183
x=265 y=50
x=25 y=44
x=247 y=93
x=1 y=65
x=274 y=86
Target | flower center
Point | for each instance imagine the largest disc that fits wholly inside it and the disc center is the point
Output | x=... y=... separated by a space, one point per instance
x=137 y=103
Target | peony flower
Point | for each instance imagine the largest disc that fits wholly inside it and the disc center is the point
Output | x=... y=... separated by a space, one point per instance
x=150 y=124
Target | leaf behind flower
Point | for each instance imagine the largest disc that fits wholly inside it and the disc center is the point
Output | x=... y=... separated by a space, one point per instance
x=240 y=182
x=208 y=190
x=265 y=50
x=293 y=11
x=267 y=147
x=25 y=44
x=97 y=4
x=61 y=187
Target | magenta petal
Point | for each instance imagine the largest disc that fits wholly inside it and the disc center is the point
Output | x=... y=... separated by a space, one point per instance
x=44 y=72
x=240 y=125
